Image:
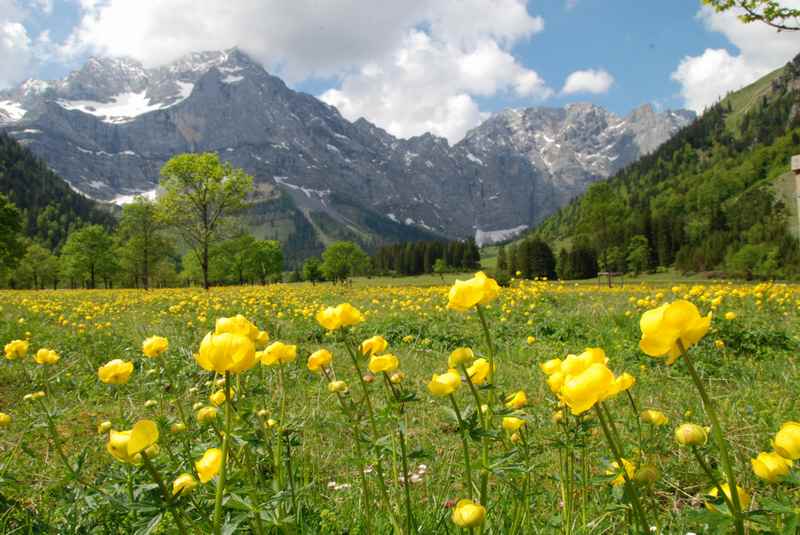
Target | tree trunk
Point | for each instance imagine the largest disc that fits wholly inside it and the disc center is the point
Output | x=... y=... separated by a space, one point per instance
x=91 y=279
x=205 y=265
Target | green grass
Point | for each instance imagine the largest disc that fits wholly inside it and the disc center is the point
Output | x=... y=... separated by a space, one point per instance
x=743 y=100
x=753 y=380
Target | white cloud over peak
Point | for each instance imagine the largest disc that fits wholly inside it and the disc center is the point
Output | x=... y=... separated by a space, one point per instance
x=410 y=66
x=15 y=44
x=706 y=78
x=596 y=81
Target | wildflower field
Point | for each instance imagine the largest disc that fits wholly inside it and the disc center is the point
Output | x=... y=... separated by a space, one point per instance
x=543 y=407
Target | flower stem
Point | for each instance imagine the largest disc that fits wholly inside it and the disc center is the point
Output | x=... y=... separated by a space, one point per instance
x=716 y=432
x=484 y=439
x=711 y=476
x=463 y=432
x=404 y=455
x=225 y=445
x=167 y=498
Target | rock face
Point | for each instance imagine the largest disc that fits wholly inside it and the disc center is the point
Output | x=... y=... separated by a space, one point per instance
x=109 y=127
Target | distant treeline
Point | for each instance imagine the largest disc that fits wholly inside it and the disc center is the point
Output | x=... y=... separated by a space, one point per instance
x=416 y=258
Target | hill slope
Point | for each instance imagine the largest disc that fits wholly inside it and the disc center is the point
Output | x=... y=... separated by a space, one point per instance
x=705 y=199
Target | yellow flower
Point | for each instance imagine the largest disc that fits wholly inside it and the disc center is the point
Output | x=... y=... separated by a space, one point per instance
x=33 y=395
x=177 y=427
x=580 y=392
x=115 y=372
x=46 y=356
x=445 y=384
x=664 y=327
x=226 y=352
x=383 y=363
x=117 y=445
x=278 y=353
x=343 y=315
x=261 y=339
x=218 y=397
x=479 y=290
x=374 y=346
x=654 y=417
x=5 y=419
x=531 y=340
x=551 y=366
x=691 y=435
x=512 y=423
x=143 y=435
x=719 y=344
x=154 y=346
x=517 y=400
x=337 y=386
x=237 y=325
x=16 y=349
x=459 y=356
x=103 y=427
x=479 y=371
x=209 y=464
x=730 y=316
x=630 y=470
x=319 y=359
x=206 y=414
x=744 y=497
x=183 y=484
x=770 y=467
x=468 y=514
x=787 y=441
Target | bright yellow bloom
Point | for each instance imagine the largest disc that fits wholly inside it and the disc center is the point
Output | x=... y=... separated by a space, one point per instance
x=46 y=356
x=16 y=349
x=691 y=435
x=183 y=484
x=154 y=346
x=531 y=340
x=663 y=328
x=103 y=427
x=226 y=352
x=237 y=325
x=787 y=441
x=445 y=384
x=459 y=356
x=5 y=419
x=383 y=363
x=730 y=316
x=517 y=400
x=374 y=346
x=654 y=417
x=319 y=359
x=206 y=414
x=278 y=353
x=115 y=372
x=551 y=366
x=218 y=397
x=770 y=467
x=479 y=371
x=744 y=497
x=468 y=514
x=337 y=386
x=143 y=435
x=342 y=315
x=512 y=423
x=209 y=464
x=630 y=470
x=580 y=392
x=479 y=290
x=117 y=446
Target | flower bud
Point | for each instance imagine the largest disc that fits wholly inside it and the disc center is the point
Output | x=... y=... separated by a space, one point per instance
x=150 y=403
x=397 y=377
x=691 y=435
x=368 y=378
x=178 y=427
x=647 y=474
x=337 y=386
x=103 y=427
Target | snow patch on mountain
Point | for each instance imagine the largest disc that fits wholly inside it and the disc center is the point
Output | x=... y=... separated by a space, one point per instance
x=487 y=237
x=121 y=200
x=11 y=111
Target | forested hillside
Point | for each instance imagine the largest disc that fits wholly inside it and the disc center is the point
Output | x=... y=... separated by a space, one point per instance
x=49 y=207
x=706 y=199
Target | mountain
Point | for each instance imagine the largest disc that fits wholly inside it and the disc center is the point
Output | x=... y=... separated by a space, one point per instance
x=109 y=127
x=48 y=205
x=717 y=196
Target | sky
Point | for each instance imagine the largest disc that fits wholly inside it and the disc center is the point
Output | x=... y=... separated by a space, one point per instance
x=413 y=66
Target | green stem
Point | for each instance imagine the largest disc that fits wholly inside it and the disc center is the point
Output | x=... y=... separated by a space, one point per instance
x=217 y=524
x=463 y=432
x=484 y=481
x=710 y=474
x=716 y=432
x=633 y=496
x=490 y=380
x=167 y=498
x=638 y=418
x=404 y=455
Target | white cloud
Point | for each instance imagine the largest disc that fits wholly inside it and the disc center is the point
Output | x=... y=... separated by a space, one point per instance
x=706 y=78
x=410 y=66
x=596 y=81
x=15 y=44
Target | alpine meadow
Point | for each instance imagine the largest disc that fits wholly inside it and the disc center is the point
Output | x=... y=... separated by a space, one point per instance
x=492 y=267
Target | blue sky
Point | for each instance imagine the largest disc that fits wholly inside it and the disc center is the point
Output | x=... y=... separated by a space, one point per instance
x=420 y=65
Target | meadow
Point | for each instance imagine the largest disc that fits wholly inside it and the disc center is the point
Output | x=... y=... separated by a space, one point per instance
x=307 y=451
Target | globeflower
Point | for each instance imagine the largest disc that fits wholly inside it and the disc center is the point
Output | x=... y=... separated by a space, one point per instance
x=787 y=441
x=319 y=359
x=383 y=363
x=16 y=349
x=479 y=371
x=278 y=353
x=691 y=435
x=5 y=419
x=206 y=414
x=117 y=446
x=343 y=315
x=479 y=290
x=154 y=346
x=445 y=384
x=468 y=514
x=630 y=470
x=672 y=328
x=517 y=400
x=183 y=484
x=654 y=417
x=209 y=464
x=374 y=346
x=744 y=497
x=459 y=356
x=337 y=387
x=143 y=435
x=226 y=352
x=115 y=372
x=770 y=467
x=237 y=325
x=512 y=423
x=46 y=356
